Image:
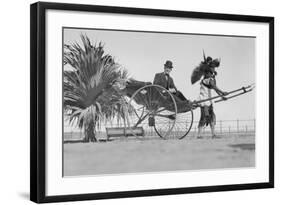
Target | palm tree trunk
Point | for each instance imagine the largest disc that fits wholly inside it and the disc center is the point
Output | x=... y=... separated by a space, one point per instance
x=89 y=131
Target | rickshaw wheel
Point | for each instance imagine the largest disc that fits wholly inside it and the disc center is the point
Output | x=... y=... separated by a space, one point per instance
x=182 y=126
x=159 y=106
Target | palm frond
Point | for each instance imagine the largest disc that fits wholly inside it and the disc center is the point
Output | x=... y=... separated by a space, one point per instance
x=88 y=95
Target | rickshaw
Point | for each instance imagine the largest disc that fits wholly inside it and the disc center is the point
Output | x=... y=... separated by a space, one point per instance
x=154 y=106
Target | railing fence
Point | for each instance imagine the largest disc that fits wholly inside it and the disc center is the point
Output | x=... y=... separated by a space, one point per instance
x=223 y=127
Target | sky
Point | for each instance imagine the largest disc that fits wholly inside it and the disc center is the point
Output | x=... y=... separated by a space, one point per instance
x=143 y=54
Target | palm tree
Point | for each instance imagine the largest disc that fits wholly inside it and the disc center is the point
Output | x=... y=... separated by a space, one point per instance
x=89 y=98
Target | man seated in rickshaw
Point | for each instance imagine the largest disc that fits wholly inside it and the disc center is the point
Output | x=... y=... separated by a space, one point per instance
x=165 y=80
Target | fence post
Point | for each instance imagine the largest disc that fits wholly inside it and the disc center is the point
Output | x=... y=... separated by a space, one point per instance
x=246 y=128
x=237 y=126
x=221 y=126
x=229 y=130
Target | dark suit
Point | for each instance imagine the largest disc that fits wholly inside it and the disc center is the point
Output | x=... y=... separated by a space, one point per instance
x=164 y=81
x=168 y=83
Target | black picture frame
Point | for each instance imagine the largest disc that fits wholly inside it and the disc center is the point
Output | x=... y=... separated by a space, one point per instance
x=38 y=101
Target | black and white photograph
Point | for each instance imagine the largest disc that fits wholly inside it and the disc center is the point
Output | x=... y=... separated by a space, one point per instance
x=140 y=102
x=153 y=102
x=134 y=102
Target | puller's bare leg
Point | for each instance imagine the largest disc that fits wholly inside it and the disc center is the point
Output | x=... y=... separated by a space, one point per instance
x=212 y=125
x=199 y=132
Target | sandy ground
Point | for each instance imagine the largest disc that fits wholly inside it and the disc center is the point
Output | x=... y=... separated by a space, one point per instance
x=154 y=155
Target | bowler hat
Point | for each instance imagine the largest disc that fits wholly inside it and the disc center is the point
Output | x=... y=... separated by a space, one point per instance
x=168 y=64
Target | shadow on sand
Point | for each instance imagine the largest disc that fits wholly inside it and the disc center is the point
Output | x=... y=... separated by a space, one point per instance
x=249 y=147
